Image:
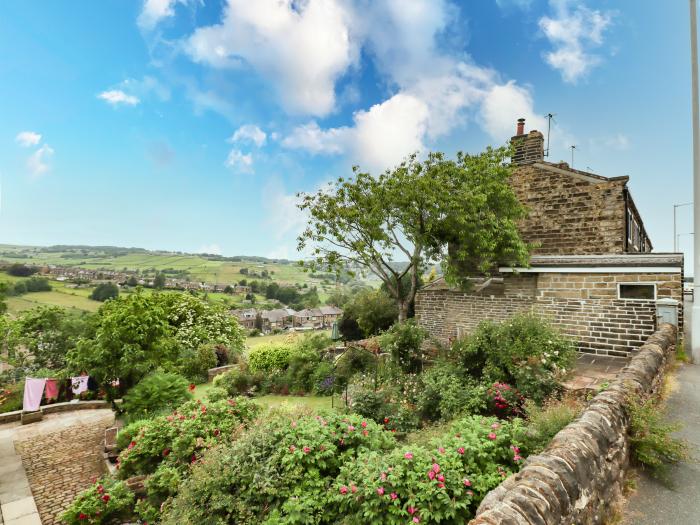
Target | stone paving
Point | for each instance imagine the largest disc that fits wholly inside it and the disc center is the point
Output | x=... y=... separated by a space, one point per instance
x=60 y=455
x=593 y=371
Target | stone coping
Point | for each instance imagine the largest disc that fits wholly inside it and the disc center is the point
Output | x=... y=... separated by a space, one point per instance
x=68 y=406
x=580 y=475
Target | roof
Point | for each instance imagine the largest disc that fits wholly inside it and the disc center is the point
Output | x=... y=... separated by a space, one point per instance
x=275 y=315
x=330 y=310
x=617 y=260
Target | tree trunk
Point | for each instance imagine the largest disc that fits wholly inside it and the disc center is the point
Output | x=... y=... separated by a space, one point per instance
x=403 y=310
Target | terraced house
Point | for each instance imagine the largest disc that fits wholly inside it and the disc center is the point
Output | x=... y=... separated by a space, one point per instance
x=593 y=271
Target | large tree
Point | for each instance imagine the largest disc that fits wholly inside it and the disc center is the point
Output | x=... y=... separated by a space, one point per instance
x=462 y=212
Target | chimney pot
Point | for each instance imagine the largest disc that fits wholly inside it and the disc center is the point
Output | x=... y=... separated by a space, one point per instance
x=520 y=130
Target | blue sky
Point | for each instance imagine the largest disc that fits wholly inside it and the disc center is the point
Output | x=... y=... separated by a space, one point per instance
x=191 y=124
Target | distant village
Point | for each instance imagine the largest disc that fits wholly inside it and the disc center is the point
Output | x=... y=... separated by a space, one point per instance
x=267 y=321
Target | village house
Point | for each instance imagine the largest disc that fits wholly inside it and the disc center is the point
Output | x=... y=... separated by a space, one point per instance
x=592 y=271
x=278 y=319
x=330 y=315
x=309 y=319
x=246 y=317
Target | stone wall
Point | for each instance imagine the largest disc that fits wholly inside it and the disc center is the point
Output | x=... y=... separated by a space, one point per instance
x=579 y=476
x=571 y=215
x=582 y=305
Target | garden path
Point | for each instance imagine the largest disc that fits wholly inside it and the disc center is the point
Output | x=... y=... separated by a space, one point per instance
x=60 y=456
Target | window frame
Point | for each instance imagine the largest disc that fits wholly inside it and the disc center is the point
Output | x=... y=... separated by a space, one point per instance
x=642 y=283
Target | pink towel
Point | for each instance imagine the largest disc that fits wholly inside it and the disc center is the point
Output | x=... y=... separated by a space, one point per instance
x=51 y=389
x=33 y=390
x=79 y=384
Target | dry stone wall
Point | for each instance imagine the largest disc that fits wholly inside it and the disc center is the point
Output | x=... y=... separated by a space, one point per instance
x=579 y=476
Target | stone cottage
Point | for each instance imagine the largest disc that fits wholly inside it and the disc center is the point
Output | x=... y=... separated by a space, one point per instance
x=592 y=271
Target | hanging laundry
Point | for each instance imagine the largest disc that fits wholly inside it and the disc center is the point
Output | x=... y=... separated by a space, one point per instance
x=80 y=384
x=51 y=391
x=33 y=390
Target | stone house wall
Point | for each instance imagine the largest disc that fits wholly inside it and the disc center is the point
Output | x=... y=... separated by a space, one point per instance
x=570 y=215
x=579 y=477
x=583 y=305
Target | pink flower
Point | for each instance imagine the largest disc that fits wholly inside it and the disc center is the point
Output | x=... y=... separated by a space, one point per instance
x=495 y=426
x=292 y=448
x=408 y=455
x=436 y=468
x=441 y=450
x=100 y=489
x=470 y=492
x=132 y=445
x=382 y=476
x=294 y=424
x=343 y=490
x=204 y=409
x=364 y=424
x=441 y=485
x=431 y=474
x=492 y=436
x=380 y=491
x=466 y=482
x=353 y=489
x=365 y=433
x=393 y=495
x=460 y=450
x=412 y=510
x=351 y=428
x=441 y=477
x=306 y=450
x=416 y=519
x=517 y=458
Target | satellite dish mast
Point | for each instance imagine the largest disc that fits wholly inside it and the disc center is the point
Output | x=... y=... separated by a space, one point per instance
x=550 y=118
x=573 y=147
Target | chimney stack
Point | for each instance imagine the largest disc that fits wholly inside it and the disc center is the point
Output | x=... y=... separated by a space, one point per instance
x=527 y=148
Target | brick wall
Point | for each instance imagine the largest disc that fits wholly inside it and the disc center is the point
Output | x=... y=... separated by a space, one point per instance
x=569 y=215
x=584 y=306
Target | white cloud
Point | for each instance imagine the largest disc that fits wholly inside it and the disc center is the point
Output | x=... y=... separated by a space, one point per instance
x=301 y=49
x=312 y=138
x=117 y=96
x=38 y=162
x=573 y=33
x=240 y=162
x=249 y=133
x=213 y=249
x=28 y=138
x=510 y=4
x=154 y=11
x=503 y=105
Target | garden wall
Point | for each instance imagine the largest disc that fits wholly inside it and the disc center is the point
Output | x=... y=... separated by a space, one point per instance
x=579 y=476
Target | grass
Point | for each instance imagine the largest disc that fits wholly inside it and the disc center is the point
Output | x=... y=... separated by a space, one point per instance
x=28 y=301
x=252 y=342
x=273 y=401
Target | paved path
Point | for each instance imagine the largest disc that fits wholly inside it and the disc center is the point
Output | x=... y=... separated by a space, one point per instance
x=655 y=504
x=59 y=457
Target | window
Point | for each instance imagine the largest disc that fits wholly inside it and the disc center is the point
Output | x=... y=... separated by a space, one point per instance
x=637 y=291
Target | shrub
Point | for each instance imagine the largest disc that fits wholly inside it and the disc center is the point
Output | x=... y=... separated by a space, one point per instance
x=653 y=444
x=525 y=352
x=369 y=404
x=278 y=472
x=183 y=435
x=352 y=361
x=543 y=423
x=127 y=433
x=235 y=382
x=11 y=397
x=222 y=355
x=404 y=341
x=37 y=284
x=195 y=364
x=505 y=401
x=107 y=501
x=155 y=394
x=104 y=291
x=217 y=394
x=446 y=394
x=323 y=379
x=269 y=357
x=441 y=484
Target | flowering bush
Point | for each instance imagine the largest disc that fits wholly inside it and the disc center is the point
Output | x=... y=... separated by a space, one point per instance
x=446 y=394
x=107 y=501
x=279 y=472
x=181 y=436
x=505 y=401
x=525 y=352
x=236 y=381
x=404 y=341
x=441 y=484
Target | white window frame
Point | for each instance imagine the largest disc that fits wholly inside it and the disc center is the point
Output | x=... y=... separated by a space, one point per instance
x=642 y=283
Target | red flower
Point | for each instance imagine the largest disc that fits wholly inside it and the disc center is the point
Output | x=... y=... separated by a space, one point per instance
x=100 y=489
x=132 y=445
x=408 y=455
x=364 y=424
x=306 y=450
x=393 y=495
x=292 y=448
x=105 y=498
x=380 y=491
x=192 y=387
x=343 y=490
x=492 y=436
x=365 y=433
x=166 y=452
x=386 y=420
x=204 y=409
x=460 y=450
x=353 y=489
x=217 y=432
x=82 y=516
x=431 y=474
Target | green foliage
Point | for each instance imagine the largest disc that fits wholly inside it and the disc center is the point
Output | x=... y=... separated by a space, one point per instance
x=195 y=364
x=235 y=381
x=544 y=422
x=181 y=437
x=277 y=472
x=104 y=291
x=441 y=484
x=21 y=270
x=159 y=281
x=418 y=209
x=404 y=342
x=372 y=311
x=11 y=397
x=270 y=357
x=651 y=437
x=155 y=394
x=526 y=352
x=446 y=394
x=107 y=501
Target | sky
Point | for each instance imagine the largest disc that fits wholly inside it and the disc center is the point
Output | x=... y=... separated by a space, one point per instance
x=191 y=125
